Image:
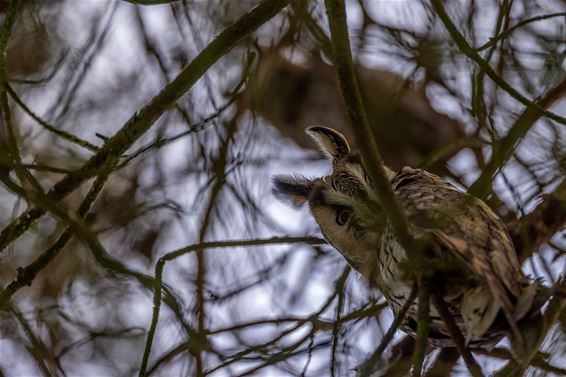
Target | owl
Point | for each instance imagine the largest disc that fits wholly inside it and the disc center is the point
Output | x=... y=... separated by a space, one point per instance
x=471 y=259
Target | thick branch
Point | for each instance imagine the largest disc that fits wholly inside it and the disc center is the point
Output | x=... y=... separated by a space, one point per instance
x=371 y=157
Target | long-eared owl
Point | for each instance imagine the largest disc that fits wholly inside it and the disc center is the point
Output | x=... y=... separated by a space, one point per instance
x=473 y=258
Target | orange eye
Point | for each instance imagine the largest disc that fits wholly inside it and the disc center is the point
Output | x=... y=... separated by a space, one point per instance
x=342 y=216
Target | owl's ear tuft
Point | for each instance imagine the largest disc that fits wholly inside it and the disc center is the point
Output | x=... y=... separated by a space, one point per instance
x=331 y=142
x=291 y=189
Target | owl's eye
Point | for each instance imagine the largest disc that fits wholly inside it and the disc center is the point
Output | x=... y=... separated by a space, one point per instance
x=342 y=216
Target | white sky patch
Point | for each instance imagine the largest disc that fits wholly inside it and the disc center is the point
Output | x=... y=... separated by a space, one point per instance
x=464 y=163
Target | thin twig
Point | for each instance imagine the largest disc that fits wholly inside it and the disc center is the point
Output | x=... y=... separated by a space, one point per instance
x=367 y=368
x=41 y=354
x=65 y=135
x=160 y=265
x=457 y=337
x=509 y=31
x=220 y=179
x=339 y=284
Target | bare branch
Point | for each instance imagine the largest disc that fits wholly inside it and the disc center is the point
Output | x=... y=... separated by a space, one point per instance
x=159 y=267
x=504 y=148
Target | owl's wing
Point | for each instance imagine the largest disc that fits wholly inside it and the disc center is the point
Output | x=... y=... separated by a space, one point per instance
x=465 y=227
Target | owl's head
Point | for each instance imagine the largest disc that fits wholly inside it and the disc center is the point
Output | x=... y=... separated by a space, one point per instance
x=343 y=204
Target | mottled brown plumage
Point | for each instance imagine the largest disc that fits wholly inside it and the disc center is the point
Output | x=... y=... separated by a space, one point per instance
x=470 y=256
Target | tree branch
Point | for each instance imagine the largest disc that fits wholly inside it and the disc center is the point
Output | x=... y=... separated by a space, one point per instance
x=539 y=226
x=373 y=163
x=27 y=274
x=504 y=149
x=467 y=50
x=536 y=330
x=456 y=335
x=65 y=135
x=423 y=325
x=510 y=31
x=150 y=2
x=367 y=368
x=160 y=266
x=144 y=119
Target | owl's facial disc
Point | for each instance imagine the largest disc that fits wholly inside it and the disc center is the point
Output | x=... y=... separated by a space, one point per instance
x=343 y=222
